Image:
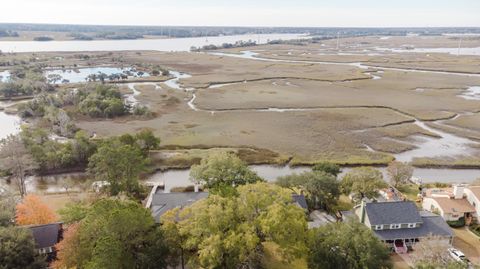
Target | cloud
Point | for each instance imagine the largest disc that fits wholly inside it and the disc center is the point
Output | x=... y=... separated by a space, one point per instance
x=149 y=12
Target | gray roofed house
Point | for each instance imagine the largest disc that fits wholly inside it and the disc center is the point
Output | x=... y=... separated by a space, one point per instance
x=431 y=225
x=162 y=202
x=46 y=236
x=300 y=200
x=400 y=225
x=392 y=212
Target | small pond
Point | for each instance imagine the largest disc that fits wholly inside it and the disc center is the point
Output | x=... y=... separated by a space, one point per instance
x=4 y=76
x=85 y=74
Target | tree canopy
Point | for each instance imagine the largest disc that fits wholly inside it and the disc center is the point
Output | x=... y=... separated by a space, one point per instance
x=364 y=182
x=120 y=165
x=399 y=173
x=221 y=172
x=7 y=209
x=33 y=211
x=346 y=245
x=114 y=234
x=16 y=159
x=228 y=232
x=327 y=167
x=17 y=249
x=322 y=189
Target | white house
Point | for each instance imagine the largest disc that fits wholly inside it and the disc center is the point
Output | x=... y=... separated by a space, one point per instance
x=450 y=203
x=472 y=194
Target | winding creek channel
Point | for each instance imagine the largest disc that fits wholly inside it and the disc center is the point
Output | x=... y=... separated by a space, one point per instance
x=447 y=145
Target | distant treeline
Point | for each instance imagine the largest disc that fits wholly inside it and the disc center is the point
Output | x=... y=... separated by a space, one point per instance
x=238 y=44
x=250 y=43
x=7 y=33
x=87 y=32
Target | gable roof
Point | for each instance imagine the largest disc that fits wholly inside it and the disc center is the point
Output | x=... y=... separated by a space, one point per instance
x=432 y=225
x=475 y=190
x=392 y=212
x=300 y=200
x=162 y=202
x=46 y=235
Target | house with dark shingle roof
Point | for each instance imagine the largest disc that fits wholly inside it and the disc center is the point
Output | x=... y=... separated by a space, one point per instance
x=46 y=236
x=400 y=225
x=162 y=202
x=300 y=201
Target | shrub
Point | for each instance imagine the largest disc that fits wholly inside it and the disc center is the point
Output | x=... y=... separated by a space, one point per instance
x=475 y=229
x=457 y=223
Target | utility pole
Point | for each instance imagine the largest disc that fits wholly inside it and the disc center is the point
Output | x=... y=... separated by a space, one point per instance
x=338 y=40
x=459 y=45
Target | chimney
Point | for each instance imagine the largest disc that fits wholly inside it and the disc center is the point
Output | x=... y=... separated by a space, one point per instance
x=458 y=191
x=362 y=211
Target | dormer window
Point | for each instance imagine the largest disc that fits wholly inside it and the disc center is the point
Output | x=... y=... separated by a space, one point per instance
x=411 y=225
x=378 y=227
x=395 y=226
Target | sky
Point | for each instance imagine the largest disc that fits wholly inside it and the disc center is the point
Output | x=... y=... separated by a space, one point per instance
x=311 y=13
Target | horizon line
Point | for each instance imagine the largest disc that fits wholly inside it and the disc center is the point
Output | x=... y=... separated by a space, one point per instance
x=243 y=26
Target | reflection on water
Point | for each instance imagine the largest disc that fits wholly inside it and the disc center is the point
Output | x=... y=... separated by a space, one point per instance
x=447 y=145
x=4 y=76
x=455 y=51
x=82 y=74
x=9 y=124
x=167 y=44
x=60 y=183
x=472 y=93
x=174 y=82
x=181 y=178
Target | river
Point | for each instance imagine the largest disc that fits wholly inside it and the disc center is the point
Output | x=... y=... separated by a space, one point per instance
x=9 y=124
x=180 y=178
x=167 y=44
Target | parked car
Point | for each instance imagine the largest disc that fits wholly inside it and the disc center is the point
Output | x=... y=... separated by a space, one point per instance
x=457 y=255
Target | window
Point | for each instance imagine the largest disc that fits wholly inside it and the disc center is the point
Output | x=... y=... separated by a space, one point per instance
x=395 y=226
x=45 y=250
x=378 y=227
x=411 y=225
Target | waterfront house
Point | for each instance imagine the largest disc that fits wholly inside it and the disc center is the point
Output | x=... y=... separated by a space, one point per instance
x=162 y=202
x=400 y=225
x=450 y=203
x=46 y=236
x=300 y=201
x=472 y=194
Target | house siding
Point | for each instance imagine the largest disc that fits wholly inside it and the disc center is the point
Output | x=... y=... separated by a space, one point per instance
x=431 y=205
x=473 y=200
x=402 y=226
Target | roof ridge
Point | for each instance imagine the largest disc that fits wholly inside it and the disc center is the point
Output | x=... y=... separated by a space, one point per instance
x=40 y=225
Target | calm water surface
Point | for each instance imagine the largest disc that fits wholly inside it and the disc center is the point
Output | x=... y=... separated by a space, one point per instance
x=4 y=76
x=168 y=44
x=180 y=178
x=81 y=74
x=9 y=124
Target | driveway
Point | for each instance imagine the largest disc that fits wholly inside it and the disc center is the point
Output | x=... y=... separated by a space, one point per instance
x=468 y=243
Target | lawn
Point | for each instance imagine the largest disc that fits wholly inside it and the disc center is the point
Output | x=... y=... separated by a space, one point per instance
x=410 y=191
x=273 y=260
